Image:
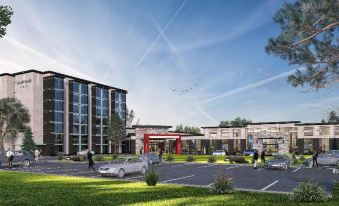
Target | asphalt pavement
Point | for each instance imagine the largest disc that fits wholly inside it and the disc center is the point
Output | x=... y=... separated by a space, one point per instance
x=202 y=175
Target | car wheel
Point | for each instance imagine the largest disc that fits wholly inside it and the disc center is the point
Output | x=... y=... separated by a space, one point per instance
x=121 y=173
x=25 y=163
x=143 y=170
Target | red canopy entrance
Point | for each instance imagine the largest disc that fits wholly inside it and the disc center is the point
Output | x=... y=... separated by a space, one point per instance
x=177 y=137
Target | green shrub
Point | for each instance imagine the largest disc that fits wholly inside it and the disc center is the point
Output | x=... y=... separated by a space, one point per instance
x=151 y=178
x=170 y=158
x=301 y=158
x=309 y=192
x=223 y=184
x=190 y=158
x=212 y=159
x=60 y=156
x=237 y=159
x=99 y=158
x=294 y=155
x=115 y=156
x=295 y=161
x=79 y=158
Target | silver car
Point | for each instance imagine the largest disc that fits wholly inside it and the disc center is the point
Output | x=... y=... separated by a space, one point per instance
x=331 y=157
x=120 y=168
x=23 y=158
x=151 y=158
x=279 y=162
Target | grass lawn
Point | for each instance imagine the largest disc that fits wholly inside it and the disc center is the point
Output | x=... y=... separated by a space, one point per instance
x=36 y=189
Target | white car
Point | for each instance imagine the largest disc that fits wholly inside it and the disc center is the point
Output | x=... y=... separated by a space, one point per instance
x=121 y=168
x=84 y=152
x=219 y=153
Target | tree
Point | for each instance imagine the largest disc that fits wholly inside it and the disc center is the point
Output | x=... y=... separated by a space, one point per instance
x=309 y=38
x=116 y=130
x=237 y=122
x=29 y=144
x=13 y=118
x=333 y=117
x=5 y=19
x=130 y=117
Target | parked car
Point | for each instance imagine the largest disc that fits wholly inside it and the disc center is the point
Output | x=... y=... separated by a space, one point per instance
x=23 y=158
x=249 y=152
x=331 y=157
x=151 y=158
x=84 y=152
x=219 y=153
x=279 y=162
x=120 y=168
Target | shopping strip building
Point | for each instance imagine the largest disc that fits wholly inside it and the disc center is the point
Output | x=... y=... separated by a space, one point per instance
x=275 y=137
x=68 y=114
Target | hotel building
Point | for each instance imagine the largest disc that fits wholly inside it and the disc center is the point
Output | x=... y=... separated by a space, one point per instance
x=68 y=114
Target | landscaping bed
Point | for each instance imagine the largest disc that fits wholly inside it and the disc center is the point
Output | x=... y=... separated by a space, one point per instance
x=37 y=189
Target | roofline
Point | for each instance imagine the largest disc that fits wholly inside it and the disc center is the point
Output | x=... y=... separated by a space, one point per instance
x=306 y=124
x=281 y=122
x=63 y=75
x=151 y=126
x=216 y=127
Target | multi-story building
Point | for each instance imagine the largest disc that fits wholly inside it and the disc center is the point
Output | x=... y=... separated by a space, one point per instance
x=275 y=137
x=68 y=114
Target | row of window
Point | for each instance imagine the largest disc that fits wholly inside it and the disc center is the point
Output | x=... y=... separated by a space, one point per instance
x=80 y=88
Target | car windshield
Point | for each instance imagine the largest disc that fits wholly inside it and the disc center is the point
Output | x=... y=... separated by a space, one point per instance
x=118 y=161
x=280 y=157
x=220 y=151
x=250 y=150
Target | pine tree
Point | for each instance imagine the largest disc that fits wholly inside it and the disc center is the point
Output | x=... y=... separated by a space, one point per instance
x=309 y=39
x=332 y=117
x=28 y=143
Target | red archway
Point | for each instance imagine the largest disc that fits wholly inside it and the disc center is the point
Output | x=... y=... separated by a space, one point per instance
x=177 y=137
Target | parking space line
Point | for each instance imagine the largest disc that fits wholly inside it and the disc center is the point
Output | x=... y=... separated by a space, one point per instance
x=296 y=169
x=181 y=165
x=232 y=167
x=206 y=166
x=270 y=185
x=130 y=178
x=180 y=178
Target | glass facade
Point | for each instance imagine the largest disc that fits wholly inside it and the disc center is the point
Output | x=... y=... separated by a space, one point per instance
x=120 y=105
x=79 y=129
x=101 y=119
x=58 y=112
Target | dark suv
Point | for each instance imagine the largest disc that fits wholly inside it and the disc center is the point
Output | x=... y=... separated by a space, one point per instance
x=23 y=158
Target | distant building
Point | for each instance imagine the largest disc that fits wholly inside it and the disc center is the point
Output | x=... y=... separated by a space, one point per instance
x=68 y=114
x=275 y=137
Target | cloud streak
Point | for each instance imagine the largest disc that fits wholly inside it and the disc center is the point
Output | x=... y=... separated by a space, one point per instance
x=160 y=34
x=250 y=86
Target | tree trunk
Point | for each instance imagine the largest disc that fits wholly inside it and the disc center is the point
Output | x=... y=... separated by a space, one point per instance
x=1 y=141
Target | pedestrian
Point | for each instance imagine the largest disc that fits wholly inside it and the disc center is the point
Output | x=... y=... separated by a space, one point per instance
x=160 y=154
x=140 y=151
x=36 y=154
x=315 y=159
x=10 y=156
x=40 y=153
x=255 y=159
x=90 y=161
x=262 y=156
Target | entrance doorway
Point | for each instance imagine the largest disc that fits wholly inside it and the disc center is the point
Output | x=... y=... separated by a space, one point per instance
x=156 y=145
x=271 y=145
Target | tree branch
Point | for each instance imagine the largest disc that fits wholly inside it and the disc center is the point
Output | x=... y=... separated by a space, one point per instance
x=328 y=27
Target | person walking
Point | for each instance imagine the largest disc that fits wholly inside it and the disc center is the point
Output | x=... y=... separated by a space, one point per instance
x=10 y=156
x=315 y=159
x=262 y=157
x=90 y=161
x=36 y=155
x=160 y=154
x=255 y=159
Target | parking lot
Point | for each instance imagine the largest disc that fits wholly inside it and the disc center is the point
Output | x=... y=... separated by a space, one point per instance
x=245 y=177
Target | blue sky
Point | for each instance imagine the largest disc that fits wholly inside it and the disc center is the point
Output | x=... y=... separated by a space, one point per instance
x=214 y=49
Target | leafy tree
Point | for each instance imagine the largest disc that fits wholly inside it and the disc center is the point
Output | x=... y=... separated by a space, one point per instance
x=116 y=130
x=29 y=144
x=224 y=124
x=13 y=118
x=323 y=121
x=5 y=18
x=309 y=38
x=333 y=117
x=237 y=122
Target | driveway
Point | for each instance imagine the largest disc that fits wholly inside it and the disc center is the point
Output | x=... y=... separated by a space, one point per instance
x=202 y=175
